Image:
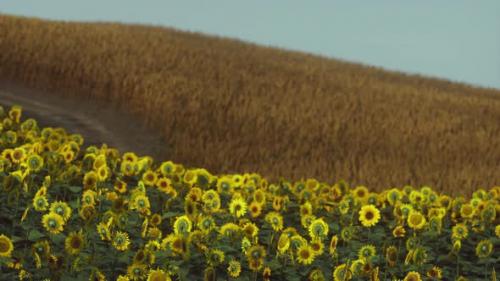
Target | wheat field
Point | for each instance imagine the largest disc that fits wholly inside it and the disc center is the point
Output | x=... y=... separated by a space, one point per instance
x=230 y=106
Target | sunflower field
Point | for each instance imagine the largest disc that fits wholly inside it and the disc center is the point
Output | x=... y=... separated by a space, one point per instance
x=70 y=212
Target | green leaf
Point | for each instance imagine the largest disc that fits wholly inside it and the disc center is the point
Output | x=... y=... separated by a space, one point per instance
x=170 y=215
x=75 y=189
x=35 y=235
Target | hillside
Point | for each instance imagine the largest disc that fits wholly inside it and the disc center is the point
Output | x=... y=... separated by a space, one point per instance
x=230 y=106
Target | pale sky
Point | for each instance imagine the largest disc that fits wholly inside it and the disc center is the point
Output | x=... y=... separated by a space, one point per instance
x=454 y=39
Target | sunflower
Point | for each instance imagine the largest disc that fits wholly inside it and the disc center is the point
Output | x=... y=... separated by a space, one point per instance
x=141 y=203
x=15 y=113
x=317 y=247
x=229 y=229
x=318 y=229
x=6 y=246
x=99 y=161
x=275 y=220
x=155 y=220
x=121 y=241
x=391 y=255
x=88 y=197
x=53 y=222
x=484 y=248
x=366 y=252
x=103 y=173
x=90 y=180
x=234 y=268
x=369 y=215
x=256 y=252
x=255 y=209
x=412 y=276
x=283 y=243
x=34 y=162
x=136 y=271
x=342 y=273
x=225 y=185
x=128 y=168
x=178 y=244
x=420 y=256
x=399 y=231
x=333 y=244
x=360 y=193
x=18 y=155
x=435 y=273
x=238 y=207
x=305 y=254
x=149 y=178
x=62 y=209
x=357 y=267
x=104 y=232
x=457 y=245
x=215 y=257
x=190 y=177
x=250 y=230
x=278 y=202
x=255 y=264
x=74 y=243
x=416 y=220
x=40 y=203
x=163 y=184
x=467 y=211
x=393 y=196
x=459 y=231
x=158 y=275
x=87 y=212
x=405 y=210
x=68 y=156
x=206 y=223
x=266 y=274
x=306 y=209
x=182 y=225
x=259 y=196
x=497 y=231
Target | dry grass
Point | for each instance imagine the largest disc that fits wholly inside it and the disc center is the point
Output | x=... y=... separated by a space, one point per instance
x=230 y=106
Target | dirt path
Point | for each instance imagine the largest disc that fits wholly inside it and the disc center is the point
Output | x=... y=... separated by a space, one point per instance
x=97 y=123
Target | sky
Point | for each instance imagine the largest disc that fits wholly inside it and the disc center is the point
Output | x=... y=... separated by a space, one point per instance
x=454 y=39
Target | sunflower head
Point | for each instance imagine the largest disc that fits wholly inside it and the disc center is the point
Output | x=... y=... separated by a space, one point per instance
x=318 y=229
x=256 y=252
x=459 y=231
x=6 y=246
x=238 y=207
x=412 y=276
x=366 y=252
x=391 y=255
x=435 y=273
x=234 y=268
x=305 y=254
x=40 y=203
x=34 y=162
x=121 y=241
x=137 y=271
x=275 y=220
x=158 y=275
x=416 y=220
x=182 y=225
x=74 y=242
x=484 y=248
x=369 y=215
x=283 y=243
x=53 y=223
x=342 y=273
